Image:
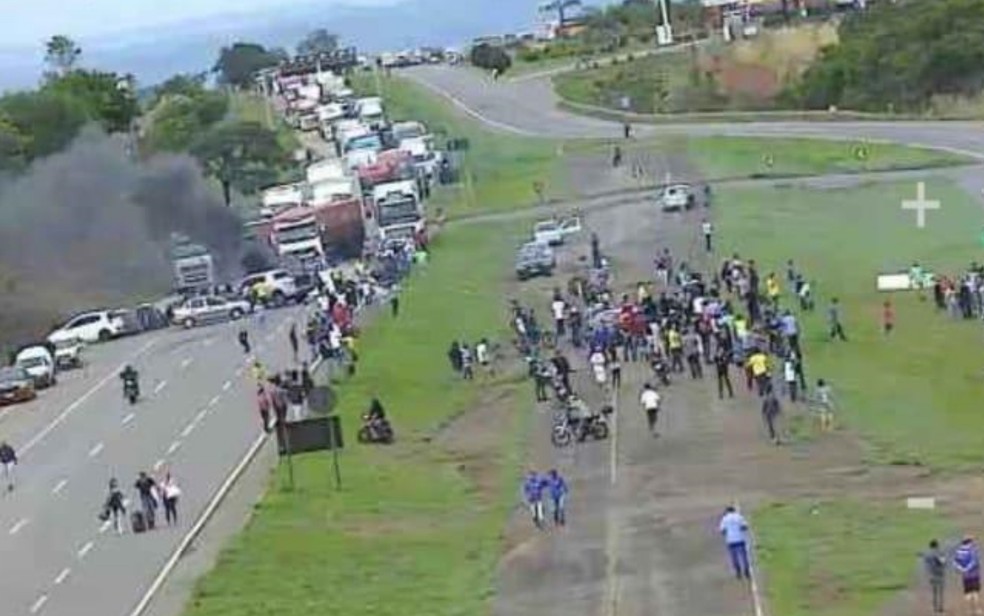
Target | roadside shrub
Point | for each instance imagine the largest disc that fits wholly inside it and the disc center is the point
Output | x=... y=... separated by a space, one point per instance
x=490 y=58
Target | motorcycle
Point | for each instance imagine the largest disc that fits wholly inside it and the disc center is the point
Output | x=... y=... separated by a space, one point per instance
x=595 y=426
x=375 y=431
x=131 y=390
x=661 y=370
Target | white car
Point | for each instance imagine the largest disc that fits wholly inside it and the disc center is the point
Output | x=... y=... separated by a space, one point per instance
x=98 y=326
x=68 y=354
x=283 y=287
x=676 y=198
x=552 y=232
x=203 y=310
x=37 y=362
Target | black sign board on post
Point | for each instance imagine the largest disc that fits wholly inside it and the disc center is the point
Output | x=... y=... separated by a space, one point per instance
x=308 y=435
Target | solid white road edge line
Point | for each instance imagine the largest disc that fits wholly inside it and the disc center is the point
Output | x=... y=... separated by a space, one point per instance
x=16 y=528
x=85 y=549
x=37 y=605
x=63 y=576
x=188 y=429
x=226 y=385
x=613 y=456
x=80 y=400
x=174 y=447
x=203 y=519
x=213 y=401
x=757 y=604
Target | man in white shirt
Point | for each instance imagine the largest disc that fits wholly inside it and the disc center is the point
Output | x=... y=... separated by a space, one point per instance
x=559 y=309
x=734 y=529
x=649 y=399
x=707 y=230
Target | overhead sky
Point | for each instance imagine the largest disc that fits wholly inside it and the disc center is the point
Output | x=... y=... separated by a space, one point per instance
x=27 y=24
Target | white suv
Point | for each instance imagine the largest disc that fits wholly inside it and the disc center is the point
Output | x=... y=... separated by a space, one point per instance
x=283 y=287
x=98 y=326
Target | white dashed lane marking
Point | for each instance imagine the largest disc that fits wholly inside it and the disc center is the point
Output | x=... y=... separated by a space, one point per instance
x=129 y=417
x=174 y=447
x=37 y=605
x=85 y=549
x=63 y=576
x=95 y=451
x=186 y=362
x=16 y=528
x=160 y=386
x=59 y=486
x=226 y=385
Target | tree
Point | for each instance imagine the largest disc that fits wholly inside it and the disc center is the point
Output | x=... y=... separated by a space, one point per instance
x=181 y=84
x=237 y=65
x=241 y=155
x=14 y=145
x=47 y=120
x=108 y=98
x=61 y=53
x=560 y=8
x=490 y=57
x=319 y=41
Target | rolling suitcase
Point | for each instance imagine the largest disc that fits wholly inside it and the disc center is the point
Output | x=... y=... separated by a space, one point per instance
x=138 y=522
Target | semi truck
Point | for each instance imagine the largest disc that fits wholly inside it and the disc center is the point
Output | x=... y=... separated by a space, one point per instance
x=399 y=210
x=329 y=229
x=194 y=268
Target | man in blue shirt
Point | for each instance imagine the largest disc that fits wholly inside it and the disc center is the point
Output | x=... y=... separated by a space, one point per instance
x=558 y=496
x=533 y=487
x=734 y=528
x=967 y=560
x=790 y=330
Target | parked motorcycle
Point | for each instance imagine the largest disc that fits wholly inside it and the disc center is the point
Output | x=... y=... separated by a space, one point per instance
x=566 y=430
x=375 y=431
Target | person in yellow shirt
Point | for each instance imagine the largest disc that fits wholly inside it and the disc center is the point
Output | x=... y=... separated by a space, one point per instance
x=758 y=364
x=675 y=344
x=772 y=288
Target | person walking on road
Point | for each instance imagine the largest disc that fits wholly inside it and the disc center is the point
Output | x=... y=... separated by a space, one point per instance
x=115 y=507
x=263 y=404
x=615 y=368
x=244 y=341
x=558 y=496
x=649 y=399
x=967 y=561
x=722 y=364
x=707 y=230
x=147 y=489
x=693 y=349
x=934 y=561
x=770 y=414
x=734 y=529
x=8 y=458
x=533 y=487
x=169 y=494
x=292 y=338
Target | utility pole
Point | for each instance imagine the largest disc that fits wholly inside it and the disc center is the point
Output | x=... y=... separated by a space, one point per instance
x=664 y=31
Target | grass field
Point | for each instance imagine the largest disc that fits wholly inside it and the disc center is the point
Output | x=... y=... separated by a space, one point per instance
x=639 y=80
x=413 y=526
x=913 y=395
x=840 y=558
x=252 y=108
x=500 y=170
x=724 y=157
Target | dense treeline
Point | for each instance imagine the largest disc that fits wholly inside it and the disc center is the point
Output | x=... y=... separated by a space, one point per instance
x=899 y=56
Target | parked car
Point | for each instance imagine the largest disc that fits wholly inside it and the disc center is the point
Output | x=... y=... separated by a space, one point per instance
x=96 y=326
x=283 y=287
x=535 y=259
x=553 y=231
x=38 y=362
x=676 y=198
x=203 y=310
x=16 y=385
x=68 y=354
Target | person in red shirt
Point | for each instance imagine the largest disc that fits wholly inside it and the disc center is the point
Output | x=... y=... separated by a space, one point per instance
x=888 y=317
x=263 y=402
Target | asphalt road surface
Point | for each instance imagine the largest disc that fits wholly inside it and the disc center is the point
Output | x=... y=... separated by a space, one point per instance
x=197 y=418
x=529 y=107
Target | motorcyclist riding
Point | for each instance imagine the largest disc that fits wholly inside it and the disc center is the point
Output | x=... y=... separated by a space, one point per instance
x=131 y=382
x=375 y=427
x=578 y=416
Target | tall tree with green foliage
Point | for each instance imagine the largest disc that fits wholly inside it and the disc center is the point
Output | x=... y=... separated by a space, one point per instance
x=14 y=145
x=241 y=155
x=61 y=53
x=48 y=120
x=899 y=56
x=238 y=64
x=109 y=98
x=319 y=41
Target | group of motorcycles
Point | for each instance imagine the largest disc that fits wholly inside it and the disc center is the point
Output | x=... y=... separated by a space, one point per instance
x=574 y=420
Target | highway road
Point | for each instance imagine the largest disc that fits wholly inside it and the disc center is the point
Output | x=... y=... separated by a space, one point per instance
x=528 y=107
x=197 y=418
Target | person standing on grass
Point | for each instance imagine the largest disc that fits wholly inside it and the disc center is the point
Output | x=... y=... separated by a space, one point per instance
x=834 y=320
x=825 y=405
x=649 y=399
x=734 y=529
x=722 y=363
x=467 y=363
x=482 y=355
x=934 y=561
x=8 y=459
x=707 y=230
x=533 y=487
x=558 y=496
x=967 y=561
x=770 y=414
x=395 y=305
x=888 y=317
x=790 y=330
